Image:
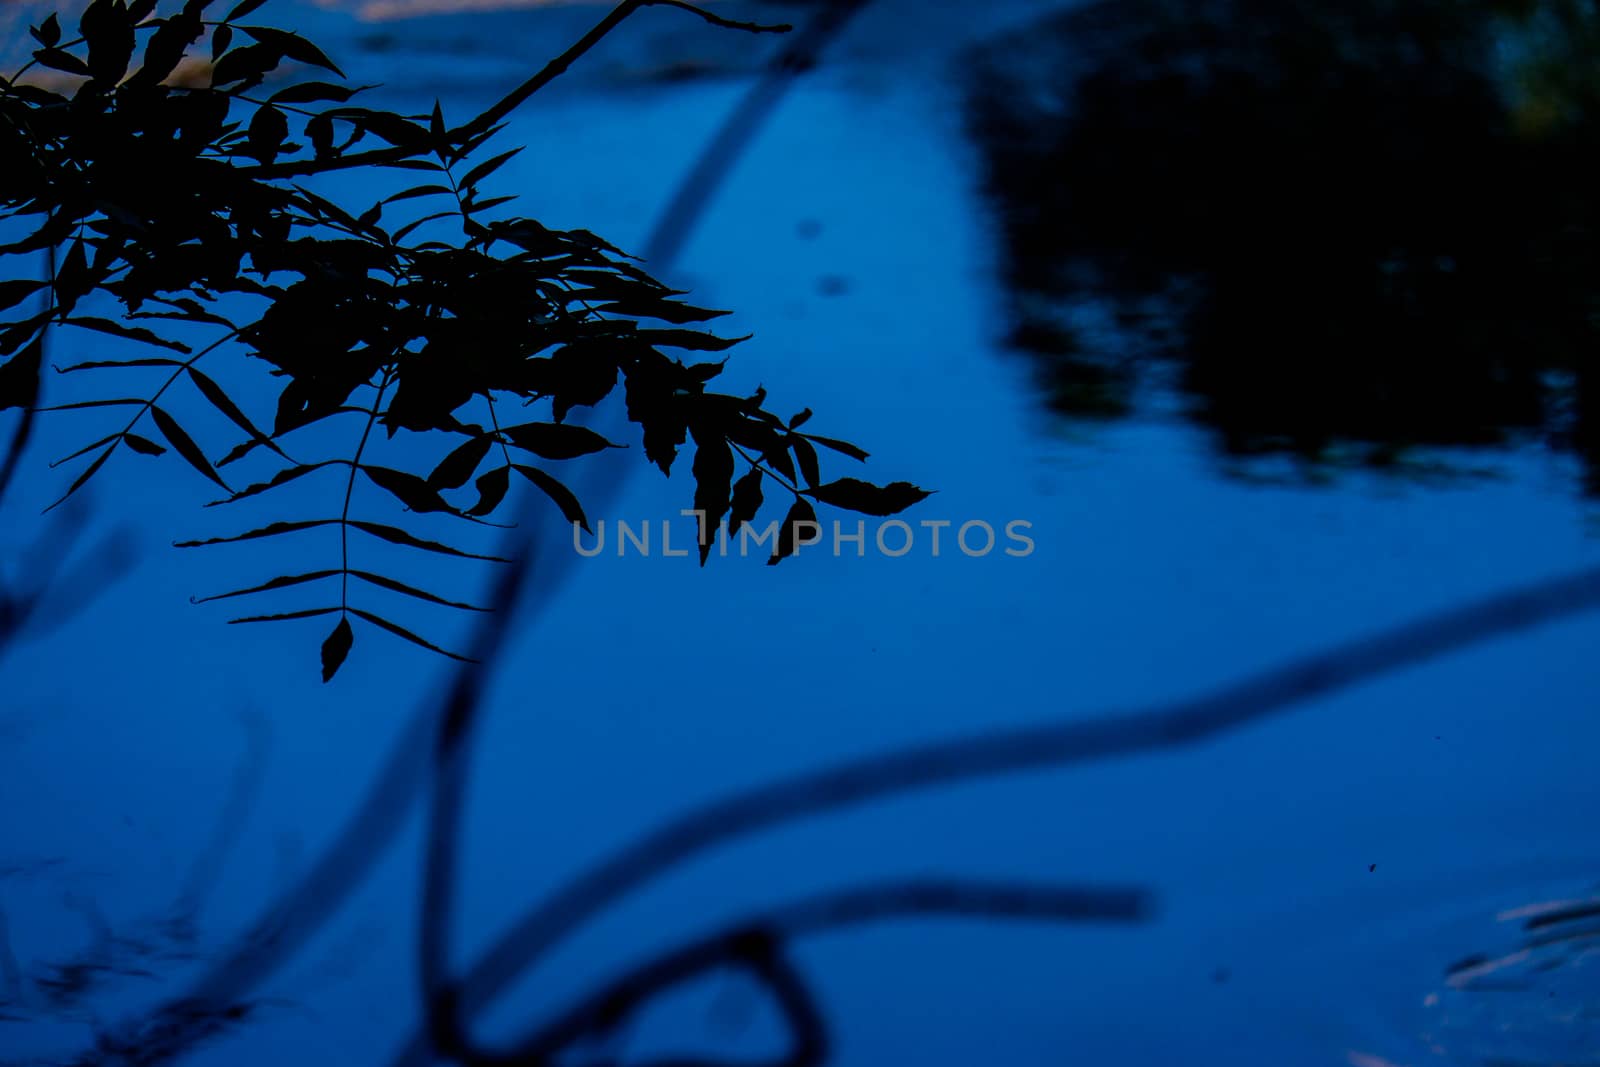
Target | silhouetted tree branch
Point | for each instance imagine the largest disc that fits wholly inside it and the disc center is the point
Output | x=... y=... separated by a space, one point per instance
x=487 y=120
x=163 y=197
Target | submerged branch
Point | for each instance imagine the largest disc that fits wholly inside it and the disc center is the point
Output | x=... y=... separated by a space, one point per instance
x=1050 y=746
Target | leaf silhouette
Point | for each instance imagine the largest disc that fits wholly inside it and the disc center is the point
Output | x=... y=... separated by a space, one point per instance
x=180 y=440
x=107 y=26
x=90 y=447
x=119 y=402
x=839 y=446
x=392 y=128
x=491 y=490
x=419 y=190
x=690 y=340
x=224 y=403
x=269 y=128
x=556 y=440
x=412 y=491
x=275 y=583
x=335 y=648
x=243 y=9
x=88 y=472
x=308 y=613
x=283 y=477
x=313 y=92
x=72 y=276
x=408 y=590
x=397 y=536
x=563 y=497
x=19 y=378
x=853 y=494
x=777 y=457
x=486 y=168
x=102 y=364
x=292 y=45
x=143 y=445
x=319 y=131
x=806 y=458
x=455 y=469
x=713 y=477
x=472 y=205
x=405 y=231
x=49 y=31
x=17 y=334
x=272 y=530
x=171 y=38
x=66 y=62
x=788 y=534
x=746 y=500
x=244 y=448
x=666 y=310
x=400 y=631
x=247 y=64
x=15 y=292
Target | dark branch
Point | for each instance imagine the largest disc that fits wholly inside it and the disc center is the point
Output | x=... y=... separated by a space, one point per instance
x=744 y=943
x=1048 y=747
x=506 y=105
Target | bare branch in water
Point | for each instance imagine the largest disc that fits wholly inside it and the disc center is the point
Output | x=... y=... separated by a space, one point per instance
x=1029 y=749
x=208 y=865
x=740 y=945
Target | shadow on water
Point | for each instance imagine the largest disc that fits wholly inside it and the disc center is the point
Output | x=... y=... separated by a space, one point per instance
x=1339 y=232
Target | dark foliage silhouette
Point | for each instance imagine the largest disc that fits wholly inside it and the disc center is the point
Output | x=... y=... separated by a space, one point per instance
x=1357 y=230
x=175 y=200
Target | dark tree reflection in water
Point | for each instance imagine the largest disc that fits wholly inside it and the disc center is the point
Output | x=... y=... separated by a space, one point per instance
x=1346 y=232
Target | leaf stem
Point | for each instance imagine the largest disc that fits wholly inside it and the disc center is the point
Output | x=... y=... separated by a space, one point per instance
x=494 y=420
x=774 y=475
x=191 y=361
x=349 y=491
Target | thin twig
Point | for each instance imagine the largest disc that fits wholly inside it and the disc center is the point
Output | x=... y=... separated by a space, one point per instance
x=506 y=105
x=349 y=491
x=716 y=159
